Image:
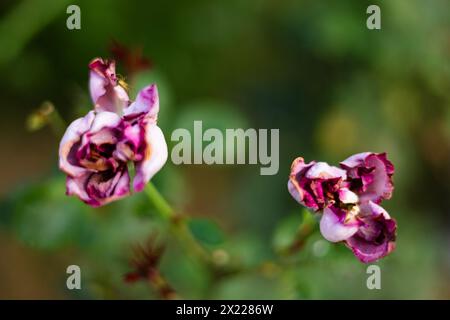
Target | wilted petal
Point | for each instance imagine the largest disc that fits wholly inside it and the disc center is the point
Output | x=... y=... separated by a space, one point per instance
x=370 y=175
x=314 y=185
x=94 y=152
x=132 y=145
x=334 y=225
x=67 y=158
x=147 y=103
x=298 y=165
x=154 y=156
x=97 y=189
x=105 y=120
x=346 y=196
x=76 y=186
x=371 y=209
x=298 y=169
x=106 y=93
x=97 y=133
x=376 y=236
x=322 y=170
x=355 y=160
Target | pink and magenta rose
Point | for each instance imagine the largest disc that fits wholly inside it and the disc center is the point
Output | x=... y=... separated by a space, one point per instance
x=370 y=175
x=349 y=199
x=317 y=185
x=96 y=149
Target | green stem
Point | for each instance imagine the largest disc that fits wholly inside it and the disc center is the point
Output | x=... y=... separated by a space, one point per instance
x=161 y=205
x=177 y=223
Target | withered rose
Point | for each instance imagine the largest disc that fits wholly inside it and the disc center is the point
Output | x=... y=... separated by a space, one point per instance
x=349 y=198
x=370 y=175
x=317 y=185
x=367 y=229
x=96 y=149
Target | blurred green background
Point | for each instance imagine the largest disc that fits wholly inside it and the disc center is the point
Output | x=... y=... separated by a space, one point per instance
x=310 y=68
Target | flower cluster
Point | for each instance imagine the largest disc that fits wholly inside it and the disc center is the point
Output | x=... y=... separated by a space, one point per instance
x=348 y=198
x=96 y=149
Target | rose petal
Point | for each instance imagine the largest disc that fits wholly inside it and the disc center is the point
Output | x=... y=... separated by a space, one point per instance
x=382 y=186
x=370 y=175
x=155 y=156
x=103 y=130
x=67 y=160
x=372 y=209
x=322 y=170
x=302 y=196
x=147 y=103
x=314 y=185
x=346 y=196
x=97 y=133
x=299 y=164
x=105 y=120
x=355 y=160
x=333 y=227
x=129 y=148
x=106 y=93
x=76 y=186
x=97 y=189
x=367 y=252
x=376 y=236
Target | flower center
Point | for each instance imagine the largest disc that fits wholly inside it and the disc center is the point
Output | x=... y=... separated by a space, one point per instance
x=352 y=214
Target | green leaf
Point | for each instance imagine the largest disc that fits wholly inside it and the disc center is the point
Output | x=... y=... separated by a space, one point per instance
x=206 y=231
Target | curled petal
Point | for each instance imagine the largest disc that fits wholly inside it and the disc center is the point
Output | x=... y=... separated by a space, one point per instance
x=97 y=189
x=97 y=133
x=368 y=252
x=322 y=170
x=76 y=154
x=376 y=236
x=76 y=186
x=132 y=145
x=334 y=226
x=106 y=93
x=105 y=120
x=298 y=169
x=315 y=185
x=67 y=158
x=355 y=160
x=371 y=209
x=301 y=196
x=370 y=175
x=96 y=150
x=154 y=156
x=147 y=103
x=346 y=196
x=299 y=165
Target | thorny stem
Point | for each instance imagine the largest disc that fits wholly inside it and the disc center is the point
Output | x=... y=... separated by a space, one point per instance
x=181 y=231
x=178 y=226
x=177 y=223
